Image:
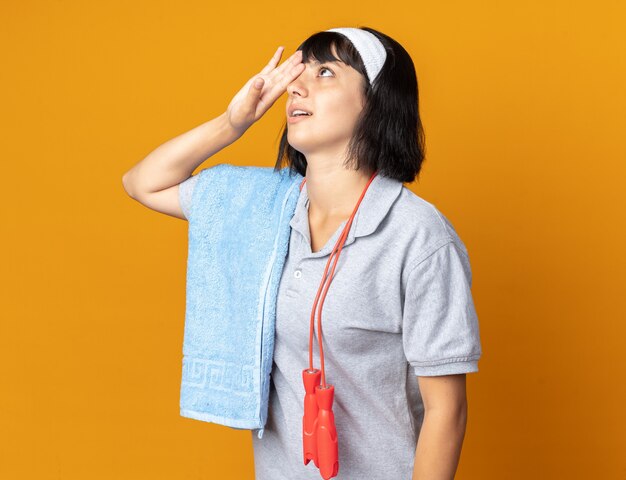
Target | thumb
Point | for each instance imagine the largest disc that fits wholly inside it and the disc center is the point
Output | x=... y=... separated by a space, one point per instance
x=254 y=93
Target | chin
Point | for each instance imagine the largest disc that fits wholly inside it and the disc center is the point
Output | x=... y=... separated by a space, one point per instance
x=301 y=146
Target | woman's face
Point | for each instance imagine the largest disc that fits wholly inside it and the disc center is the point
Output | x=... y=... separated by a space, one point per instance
x=332 y=93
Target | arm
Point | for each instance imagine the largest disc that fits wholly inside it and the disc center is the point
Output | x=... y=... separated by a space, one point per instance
x=154 y=181
x=441 y=437
x=175 y=160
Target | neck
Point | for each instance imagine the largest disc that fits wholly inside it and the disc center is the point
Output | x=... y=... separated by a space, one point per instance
x=333 y=192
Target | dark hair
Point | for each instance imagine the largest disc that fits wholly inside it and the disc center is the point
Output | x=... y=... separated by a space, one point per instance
x=388 y=136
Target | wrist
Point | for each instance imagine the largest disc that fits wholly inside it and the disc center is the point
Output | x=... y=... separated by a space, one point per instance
x=228 y=132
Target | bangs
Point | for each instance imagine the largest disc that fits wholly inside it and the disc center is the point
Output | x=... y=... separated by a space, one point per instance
x=318 y=47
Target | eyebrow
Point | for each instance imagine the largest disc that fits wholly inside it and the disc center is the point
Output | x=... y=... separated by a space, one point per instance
x=335 y=62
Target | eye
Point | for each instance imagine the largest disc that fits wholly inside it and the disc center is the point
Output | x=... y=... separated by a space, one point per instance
x=325 y=68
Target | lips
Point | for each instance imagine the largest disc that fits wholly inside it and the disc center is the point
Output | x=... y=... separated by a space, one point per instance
x=297 y=118
x=296 y=108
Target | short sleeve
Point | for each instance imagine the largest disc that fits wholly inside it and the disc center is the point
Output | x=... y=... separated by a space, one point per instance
x=185 y=192
x=440 y=334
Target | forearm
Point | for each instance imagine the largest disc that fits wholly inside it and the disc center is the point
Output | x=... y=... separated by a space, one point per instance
x=175 y=160
x=439 y=445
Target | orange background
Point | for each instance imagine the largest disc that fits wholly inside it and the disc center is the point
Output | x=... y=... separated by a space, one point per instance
x=523 y=106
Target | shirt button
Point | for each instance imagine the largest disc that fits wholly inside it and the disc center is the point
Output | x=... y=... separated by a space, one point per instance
x=297 y=274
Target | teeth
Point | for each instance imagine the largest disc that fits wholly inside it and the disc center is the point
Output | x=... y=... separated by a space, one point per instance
x=299 y=112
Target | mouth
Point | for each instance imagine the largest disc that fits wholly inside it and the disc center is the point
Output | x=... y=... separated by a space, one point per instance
x=297 y=118
x=296 y=111
x=300 y=113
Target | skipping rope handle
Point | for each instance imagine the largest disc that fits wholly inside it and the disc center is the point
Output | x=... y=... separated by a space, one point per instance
x=311 y=379
x=319 y=435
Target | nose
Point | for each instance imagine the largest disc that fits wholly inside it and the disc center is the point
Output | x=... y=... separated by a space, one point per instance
x=293 y=91
x=297 y=86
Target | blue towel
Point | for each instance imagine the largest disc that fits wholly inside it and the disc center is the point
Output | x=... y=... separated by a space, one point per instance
x=238 y=236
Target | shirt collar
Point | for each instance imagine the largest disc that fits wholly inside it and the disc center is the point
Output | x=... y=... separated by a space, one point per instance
x=376 y=203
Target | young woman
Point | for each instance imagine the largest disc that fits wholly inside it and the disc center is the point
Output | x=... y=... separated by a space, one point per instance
x=400 y=329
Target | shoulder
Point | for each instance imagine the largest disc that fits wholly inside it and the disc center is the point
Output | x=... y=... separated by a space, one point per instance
x=422 y=228
x=230 y=171
x=224 y=179
x=225 y=185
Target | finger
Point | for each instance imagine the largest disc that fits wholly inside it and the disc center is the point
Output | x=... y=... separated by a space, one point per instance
x=290 y=69
x=279 y=85
x=254 y=92
x=277 y=80
x=284 y=79
x=294 y=59
x=273 y=61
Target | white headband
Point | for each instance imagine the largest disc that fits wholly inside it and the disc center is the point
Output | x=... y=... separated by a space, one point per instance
x=369 y=47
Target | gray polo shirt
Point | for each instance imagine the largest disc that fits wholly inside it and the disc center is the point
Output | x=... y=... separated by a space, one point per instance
x=399 y=306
